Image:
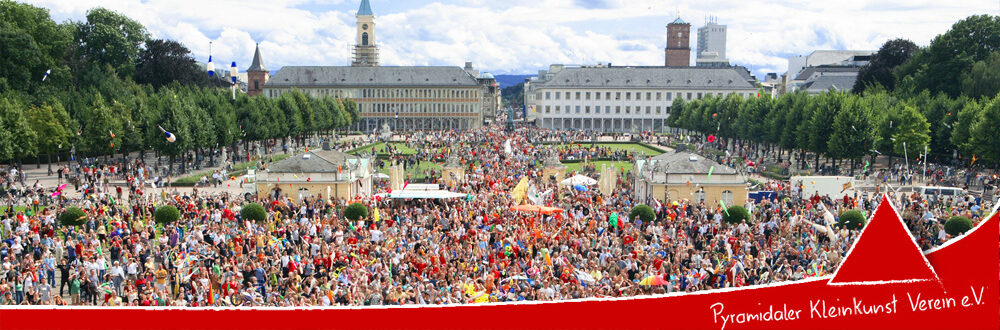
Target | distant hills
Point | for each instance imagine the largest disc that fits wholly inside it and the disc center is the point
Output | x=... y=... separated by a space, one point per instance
x=507 y=80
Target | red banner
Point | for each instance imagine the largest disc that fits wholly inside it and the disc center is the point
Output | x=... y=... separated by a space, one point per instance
x=885 y=282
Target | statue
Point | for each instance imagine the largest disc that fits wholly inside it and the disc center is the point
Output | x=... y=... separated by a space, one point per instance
x=385 y=133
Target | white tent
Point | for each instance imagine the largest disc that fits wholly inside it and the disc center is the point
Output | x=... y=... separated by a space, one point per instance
x=417 y=194
x=578 y=180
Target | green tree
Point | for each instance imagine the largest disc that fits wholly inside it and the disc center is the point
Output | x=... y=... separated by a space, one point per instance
x=913 y=132
x=982 y=79
x=108 y=37
x=31 y=43
x=164 y=61
x=878 y=71
x=985 y=140
x=853 y=131
x=51 y=124
x=16 y=123
x=938 y=67
x=961 y=134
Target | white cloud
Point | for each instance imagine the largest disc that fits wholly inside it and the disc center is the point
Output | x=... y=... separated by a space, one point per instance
x=521 y=36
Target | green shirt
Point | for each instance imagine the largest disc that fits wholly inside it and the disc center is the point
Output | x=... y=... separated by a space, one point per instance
x=74 y=286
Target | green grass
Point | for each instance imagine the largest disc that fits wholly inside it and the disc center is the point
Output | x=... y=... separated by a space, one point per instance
x=416 y=172
x=238 y=170
x=16 y=209
x=571 y=167
x=634 y=147
x=381 y=149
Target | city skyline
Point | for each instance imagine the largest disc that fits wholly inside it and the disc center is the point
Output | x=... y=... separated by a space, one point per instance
x=521 y=37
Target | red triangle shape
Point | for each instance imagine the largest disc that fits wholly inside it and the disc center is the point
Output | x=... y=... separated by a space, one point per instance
x=884 y=252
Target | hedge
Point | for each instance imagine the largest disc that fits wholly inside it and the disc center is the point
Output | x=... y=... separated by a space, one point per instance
x=73 y=216
x=735 y=214
x=166 y=214
x=957 y=225
x=852 y=219
x=253 y=211
x=642 y=212
x=356 y=211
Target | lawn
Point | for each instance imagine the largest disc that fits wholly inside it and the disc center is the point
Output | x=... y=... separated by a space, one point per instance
x=634 y=147
x=416 y=172
x=16 y=209
x=238 y=169
x=381 y=149
x=570 y=167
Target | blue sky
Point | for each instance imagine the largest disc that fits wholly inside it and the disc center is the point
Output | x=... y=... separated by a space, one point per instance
x=523 y=36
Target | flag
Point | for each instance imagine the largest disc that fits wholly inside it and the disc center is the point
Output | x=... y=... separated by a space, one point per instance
x=846 y=186
x=974 y=159
x=520 y=190
x=211 y=295
x=724 y=209
x=710 y=170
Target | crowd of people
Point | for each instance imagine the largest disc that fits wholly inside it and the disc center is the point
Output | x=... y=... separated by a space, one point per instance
x=449 y=251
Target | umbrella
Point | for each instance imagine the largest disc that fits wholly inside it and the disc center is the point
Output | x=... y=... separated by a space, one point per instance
x=579 y=180
x=580 y=187
x=381 y=176
x=654 y=280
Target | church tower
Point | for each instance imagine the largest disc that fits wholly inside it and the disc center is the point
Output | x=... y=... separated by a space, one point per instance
x=257 y=74
x=678 y=51
x=365 y=51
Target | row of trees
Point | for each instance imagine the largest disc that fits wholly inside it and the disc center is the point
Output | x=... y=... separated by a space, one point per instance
x=844 y=126
x=110 y=87
x=965 y=60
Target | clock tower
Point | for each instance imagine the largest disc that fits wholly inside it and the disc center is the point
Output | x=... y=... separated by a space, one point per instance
x=365 y=50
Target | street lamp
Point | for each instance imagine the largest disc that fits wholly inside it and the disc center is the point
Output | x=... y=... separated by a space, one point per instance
x=232 y=76
x=211 y=66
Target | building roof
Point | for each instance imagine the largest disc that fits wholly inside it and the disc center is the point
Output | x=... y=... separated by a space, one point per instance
x=339 y=76
x=258 y=62
x=836 y=82
x=365 y=9
x=678 y=21
x=682 y=163
x=809 y=71
x=318 y=161
x=649 y=77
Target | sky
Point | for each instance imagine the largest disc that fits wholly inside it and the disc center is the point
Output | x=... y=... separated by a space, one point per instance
x=524 y=36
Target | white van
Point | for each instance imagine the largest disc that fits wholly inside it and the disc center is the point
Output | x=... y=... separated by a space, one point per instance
x=943 y=193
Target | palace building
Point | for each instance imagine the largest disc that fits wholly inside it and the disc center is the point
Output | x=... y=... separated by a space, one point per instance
x=402 y=97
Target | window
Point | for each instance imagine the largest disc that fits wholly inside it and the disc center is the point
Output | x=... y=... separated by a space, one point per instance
x=597 y=95
x=657 y=109
x=699 y=96
x=659 y=96
x=618 y=95
x=557 y=95
x=628 y=95
x=547 y=110
x=547 y=95
x=557 y=109
x=577 y=95
x=607 y=109
x=727 y=197
x=567 y=95
x=668 y=96
x=586 y=109
x=648 y=109
x=255 y=84
x=364 y=38
x=628 y=109
x=618 y=109
x=649 y=96
x=587 y=96
x=607 y=95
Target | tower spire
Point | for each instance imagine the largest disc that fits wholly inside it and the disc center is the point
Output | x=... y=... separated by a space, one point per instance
x=258 y=62
x=365 y=9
